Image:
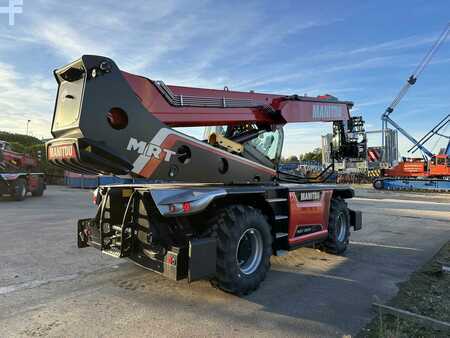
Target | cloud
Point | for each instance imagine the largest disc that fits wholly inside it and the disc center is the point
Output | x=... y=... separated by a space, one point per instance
x=202 y=43
x=25 y=99
x=393 y=45
x=66 y=40
x=382 y=54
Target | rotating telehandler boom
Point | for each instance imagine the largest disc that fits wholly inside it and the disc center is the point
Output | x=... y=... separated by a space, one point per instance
x=109 y=121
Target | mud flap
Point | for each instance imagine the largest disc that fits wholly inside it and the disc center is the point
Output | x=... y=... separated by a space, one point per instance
x=202 y=259
x=355 y=219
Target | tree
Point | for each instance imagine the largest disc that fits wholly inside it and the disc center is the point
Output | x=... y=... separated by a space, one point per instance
x=23 y=140
x=315 y=155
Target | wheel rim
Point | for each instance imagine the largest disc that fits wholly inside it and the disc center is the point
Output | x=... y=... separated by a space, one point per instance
x=249 y=251
x=342 y=228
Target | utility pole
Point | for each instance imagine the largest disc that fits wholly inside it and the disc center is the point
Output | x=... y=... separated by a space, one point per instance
x=28 y=122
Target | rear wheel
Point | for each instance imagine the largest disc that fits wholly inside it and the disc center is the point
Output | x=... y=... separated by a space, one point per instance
x=244 y=247
x=338 y=227
x=20 y=190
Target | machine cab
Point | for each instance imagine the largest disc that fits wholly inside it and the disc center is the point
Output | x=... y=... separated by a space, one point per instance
x=256 y=143
x=440 y=165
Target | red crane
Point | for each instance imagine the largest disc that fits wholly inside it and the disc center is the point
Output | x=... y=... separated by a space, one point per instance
x=432 y=169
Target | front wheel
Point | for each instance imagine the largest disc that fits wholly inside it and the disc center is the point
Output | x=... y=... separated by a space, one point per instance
x=338 y=227
x=244 y=247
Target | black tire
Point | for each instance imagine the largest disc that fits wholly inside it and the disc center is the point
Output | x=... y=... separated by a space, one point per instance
x=39 y=191
x=338 y=227
x=20 y=189
x=378 y=184
x=241 y=226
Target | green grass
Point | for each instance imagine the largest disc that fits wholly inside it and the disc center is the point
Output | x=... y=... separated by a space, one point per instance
x=426 y=293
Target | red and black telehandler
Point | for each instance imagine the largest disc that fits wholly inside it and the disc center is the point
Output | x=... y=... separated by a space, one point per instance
x=18 y=174
x=216 y=209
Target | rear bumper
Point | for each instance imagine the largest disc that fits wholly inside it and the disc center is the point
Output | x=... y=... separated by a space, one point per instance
x=196 y=260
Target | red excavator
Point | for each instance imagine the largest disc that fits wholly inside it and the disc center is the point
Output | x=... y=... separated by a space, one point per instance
x=17 y=174
x=215 y=209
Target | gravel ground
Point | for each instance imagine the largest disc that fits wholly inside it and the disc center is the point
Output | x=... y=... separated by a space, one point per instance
x=49 y=287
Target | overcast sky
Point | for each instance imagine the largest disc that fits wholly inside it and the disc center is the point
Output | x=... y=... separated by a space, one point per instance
x=361 y=51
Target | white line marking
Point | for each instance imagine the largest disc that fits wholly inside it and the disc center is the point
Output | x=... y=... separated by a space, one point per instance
x=314 y=274
x=385 y=246
x=398 y=201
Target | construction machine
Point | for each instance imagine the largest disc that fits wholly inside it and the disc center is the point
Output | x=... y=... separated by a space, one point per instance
x=18 y=174
x=431 y=172
x=215 y=209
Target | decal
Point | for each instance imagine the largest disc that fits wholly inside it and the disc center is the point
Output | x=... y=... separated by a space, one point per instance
x=308 y=229
x=309 y=196
x=327 y=112
x=61 y=151
x=152 y=153
x=150 y=150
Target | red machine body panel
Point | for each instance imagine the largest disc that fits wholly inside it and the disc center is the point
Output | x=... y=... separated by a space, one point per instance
x=409 y=168
x=438 y=166
x=308 y=219
x=33 y=181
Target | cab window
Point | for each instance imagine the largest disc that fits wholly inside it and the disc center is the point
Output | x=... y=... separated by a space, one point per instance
x=269 y=143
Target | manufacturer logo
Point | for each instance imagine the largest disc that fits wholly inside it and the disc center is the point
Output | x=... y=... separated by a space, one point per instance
x=309 y=196
x=14 y=7
x=326 y=112
x=150 y=150
x=62 y=151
